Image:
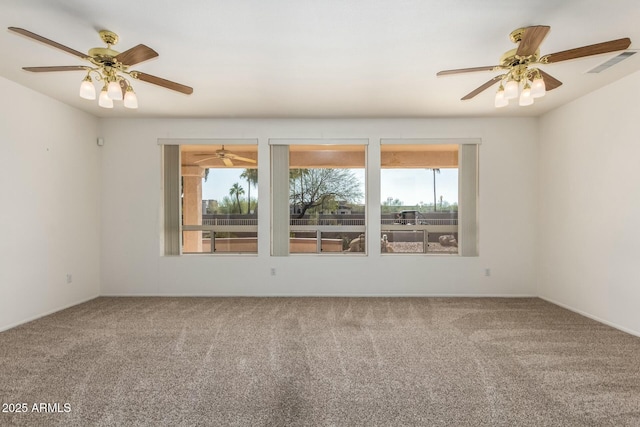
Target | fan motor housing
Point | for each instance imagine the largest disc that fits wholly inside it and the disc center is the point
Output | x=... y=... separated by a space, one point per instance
x=510 y=59
x=103 y=55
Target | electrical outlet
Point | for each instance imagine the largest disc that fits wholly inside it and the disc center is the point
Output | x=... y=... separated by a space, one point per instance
x=69 y=278
x=273 y=271
x=487 y=272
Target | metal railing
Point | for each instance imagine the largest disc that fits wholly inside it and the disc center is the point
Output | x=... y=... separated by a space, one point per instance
x=230 y=221
x=326 y=221
x=423 y=221
x=328 y=224
x=211 y=227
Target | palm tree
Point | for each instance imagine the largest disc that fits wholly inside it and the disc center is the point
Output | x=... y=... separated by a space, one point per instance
x=251 y=175
x=235 y=191
x=435 y=206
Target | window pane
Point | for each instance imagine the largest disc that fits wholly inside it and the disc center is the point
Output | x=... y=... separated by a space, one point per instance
x=419 y=206
x=219 y=198
x=326 y=198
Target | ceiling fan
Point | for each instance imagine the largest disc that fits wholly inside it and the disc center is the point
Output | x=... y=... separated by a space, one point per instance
x=110 y=67
x=520 y=65
x=226 y=156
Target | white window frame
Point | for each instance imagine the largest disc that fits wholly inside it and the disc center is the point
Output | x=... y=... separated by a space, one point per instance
x=280 y=217
x=171 y=241
x=468 y=189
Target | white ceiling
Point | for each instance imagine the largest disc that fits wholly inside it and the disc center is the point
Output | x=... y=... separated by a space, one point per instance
x=309 y=58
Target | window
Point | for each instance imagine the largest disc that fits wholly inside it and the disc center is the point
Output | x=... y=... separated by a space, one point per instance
x=420 y=184
x=428 y=191
x=217 y=195
x=325 y=207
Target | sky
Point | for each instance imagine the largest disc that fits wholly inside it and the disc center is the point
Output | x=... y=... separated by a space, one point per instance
x=220 y=180
x=411 y=186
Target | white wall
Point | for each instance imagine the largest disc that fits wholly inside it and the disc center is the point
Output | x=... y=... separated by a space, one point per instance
x=131 y=199
x=589 y=243
x=577 y=247
x=50 y=216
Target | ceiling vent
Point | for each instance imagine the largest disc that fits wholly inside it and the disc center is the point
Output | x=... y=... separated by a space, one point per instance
x=613 y=61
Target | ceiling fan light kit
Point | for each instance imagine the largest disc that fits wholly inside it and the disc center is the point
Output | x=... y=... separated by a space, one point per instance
x=130 y=98
x=525 y=95
x=511 y=90
x=523 y=79
x=105 y=100
x=525 y=89
x=87 y=89
x=111 y=90
x=109 y=67
x=114 y=91
x=501 y=100
x=538 y=88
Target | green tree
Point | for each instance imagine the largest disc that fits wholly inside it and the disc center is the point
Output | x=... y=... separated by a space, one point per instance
x=392 y=202
x=251 y=175
x=310 y=188
x=391 y=205
x=227 y=205
x=236 y=191
x=212 y=207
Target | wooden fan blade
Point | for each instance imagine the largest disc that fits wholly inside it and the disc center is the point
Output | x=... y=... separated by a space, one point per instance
x=467 y=70
x=244 y=159
x=47 y=41
x=485 y=86
x=136 y=55
x=161 y=82
x=550 y=82
x=205 y=159
x=531 y=40
x=227 y=162
x=55 y=68
x=580 y=52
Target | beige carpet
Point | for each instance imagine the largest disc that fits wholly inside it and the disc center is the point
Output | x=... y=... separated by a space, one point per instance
x=320 y=361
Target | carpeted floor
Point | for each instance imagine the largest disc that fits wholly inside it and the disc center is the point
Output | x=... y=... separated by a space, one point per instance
x=319 y=361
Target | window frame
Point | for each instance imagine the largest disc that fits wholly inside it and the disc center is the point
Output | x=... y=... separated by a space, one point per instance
x=171 y=220
x=468 y=191
x=173 y=227
x=281 y=226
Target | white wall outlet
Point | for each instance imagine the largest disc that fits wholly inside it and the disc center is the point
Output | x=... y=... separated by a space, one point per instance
x=273 y=271
x=69 y=278
x=487 y=272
